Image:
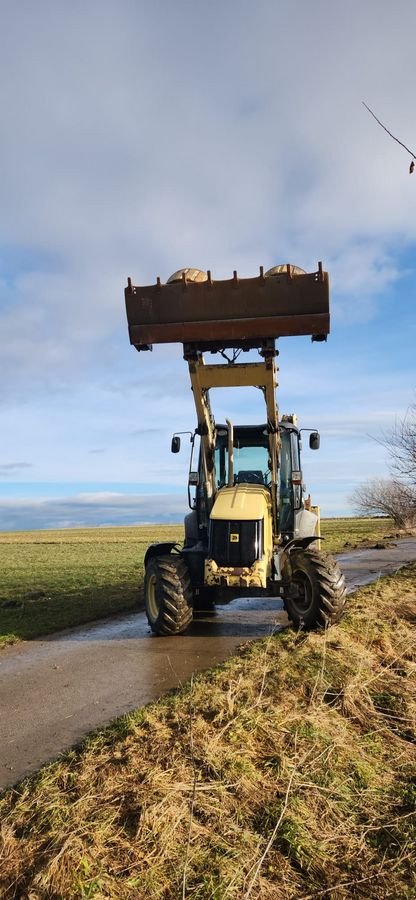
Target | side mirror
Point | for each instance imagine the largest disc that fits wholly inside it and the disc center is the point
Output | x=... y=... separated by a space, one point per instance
x=315 y=440
x=176 y=444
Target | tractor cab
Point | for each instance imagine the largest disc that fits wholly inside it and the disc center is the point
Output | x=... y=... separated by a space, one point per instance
x=251 y=464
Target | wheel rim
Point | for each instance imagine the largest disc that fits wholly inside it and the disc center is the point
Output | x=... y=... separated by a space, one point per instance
x=151 y=598
x=303 y=600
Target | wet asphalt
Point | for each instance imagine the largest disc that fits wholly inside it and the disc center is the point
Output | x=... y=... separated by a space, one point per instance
x=54 y=690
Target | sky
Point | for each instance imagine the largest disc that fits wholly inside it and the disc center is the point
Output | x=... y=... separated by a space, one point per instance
x=141 y=137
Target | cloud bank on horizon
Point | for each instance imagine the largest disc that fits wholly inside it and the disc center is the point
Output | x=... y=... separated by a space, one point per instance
x=140 y=137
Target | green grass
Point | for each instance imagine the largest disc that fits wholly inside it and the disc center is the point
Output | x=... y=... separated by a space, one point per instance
x=345 y=534
x=56 y=579
x=288 y=773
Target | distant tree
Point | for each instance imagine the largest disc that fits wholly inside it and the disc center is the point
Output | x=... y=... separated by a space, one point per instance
x=394 y=497
x=387 y=498
x=401 y=444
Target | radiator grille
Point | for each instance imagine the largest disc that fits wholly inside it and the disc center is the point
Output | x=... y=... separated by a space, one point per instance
x=236 y=543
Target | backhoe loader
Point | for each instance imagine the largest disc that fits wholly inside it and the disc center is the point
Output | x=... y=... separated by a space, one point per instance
x=251 y=529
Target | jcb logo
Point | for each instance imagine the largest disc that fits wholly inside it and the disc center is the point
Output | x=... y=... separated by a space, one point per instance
x=234 y=538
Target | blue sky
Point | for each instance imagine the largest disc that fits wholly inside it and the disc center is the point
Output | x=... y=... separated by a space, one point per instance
x=139 y=137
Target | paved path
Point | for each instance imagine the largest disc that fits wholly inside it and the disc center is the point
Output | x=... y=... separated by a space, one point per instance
x=56 y=689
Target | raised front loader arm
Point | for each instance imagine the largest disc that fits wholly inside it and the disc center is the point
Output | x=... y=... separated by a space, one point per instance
x=262 y=375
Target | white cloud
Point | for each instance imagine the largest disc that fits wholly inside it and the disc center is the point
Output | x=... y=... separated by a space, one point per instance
x=137 y=138
x=84 y=510
x=13 y=468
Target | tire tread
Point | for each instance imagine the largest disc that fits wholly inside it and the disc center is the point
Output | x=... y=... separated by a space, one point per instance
x=175 y=595
x=328 y=586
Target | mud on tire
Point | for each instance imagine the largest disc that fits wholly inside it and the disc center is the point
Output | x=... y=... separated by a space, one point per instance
x=316 y=594
x=168 y=595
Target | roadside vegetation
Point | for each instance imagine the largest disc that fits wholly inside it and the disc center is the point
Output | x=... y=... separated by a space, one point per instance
x=288 y=772
x=56 y=579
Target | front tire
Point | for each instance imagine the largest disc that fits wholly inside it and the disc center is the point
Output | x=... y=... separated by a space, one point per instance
x=316 y=593
x=168 y=595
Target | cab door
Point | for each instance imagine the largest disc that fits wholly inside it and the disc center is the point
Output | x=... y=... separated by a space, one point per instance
x=285 y=486
x=290 y=481
x=297 y=476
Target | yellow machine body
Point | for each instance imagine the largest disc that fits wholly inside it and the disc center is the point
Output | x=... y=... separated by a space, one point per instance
x=243 y=503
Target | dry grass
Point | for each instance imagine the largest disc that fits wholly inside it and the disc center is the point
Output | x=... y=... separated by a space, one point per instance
x=289 y=772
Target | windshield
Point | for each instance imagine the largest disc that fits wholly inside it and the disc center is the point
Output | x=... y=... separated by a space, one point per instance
x=251 y=457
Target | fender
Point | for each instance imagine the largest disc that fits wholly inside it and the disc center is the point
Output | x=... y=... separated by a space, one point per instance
x=163 y=549
x=301 y=543
x=282 y=564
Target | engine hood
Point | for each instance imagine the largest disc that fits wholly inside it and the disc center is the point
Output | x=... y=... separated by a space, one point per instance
x=242 y=502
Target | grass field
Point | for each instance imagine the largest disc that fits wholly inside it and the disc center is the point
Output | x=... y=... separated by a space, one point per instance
x=287 y=774
x=55 y=579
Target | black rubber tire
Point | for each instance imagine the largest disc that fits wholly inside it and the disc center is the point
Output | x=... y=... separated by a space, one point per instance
x=320 y=586
x=168 y=595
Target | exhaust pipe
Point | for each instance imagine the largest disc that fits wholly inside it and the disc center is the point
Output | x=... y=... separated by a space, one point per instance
x=230 y=452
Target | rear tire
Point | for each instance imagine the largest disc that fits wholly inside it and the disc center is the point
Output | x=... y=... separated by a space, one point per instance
x=317 y=593
x=168 y=595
